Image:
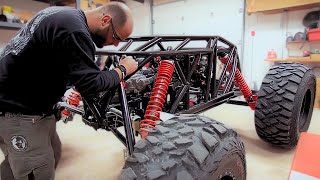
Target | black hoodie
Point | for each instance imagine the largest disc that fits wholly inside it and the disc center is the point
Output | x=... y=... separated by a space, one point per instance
x=54 y=49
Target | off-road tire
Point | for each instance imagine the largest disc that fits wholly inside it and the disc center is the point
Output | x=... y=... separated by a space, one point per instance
x=185 y=148
x=285 y=104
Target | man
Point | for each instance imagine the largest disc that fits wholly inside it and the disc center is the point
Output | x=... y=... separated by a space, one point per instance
x=54 y=49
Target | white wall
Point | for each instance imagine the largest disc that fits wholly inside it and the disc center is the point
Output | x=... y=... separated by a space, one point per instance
x=271 y=33
x=141 y=16
x=215 y=17
x=224 y=18
x=268 y=35
x=201 y=17
x=142 y=22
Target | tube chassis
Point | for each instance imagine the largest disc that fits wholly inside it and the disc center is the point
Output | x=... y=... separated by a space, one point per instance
x=215 y=95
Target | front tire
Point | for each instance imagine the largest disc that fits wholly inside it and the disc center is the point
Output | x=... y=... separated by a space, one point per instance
x=285 y=104
x=187 y=147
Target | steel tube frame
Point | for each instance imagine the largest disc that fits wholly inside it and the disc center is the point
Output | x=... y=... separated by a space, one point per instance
x=213 y=94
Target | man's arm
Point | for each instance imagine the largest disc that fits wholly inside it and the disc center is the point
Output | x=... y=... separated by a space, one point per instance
x=82 y=72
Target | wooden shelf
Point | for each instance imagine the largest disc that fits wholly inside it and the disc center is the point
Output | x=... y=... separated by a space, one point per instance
x=300 y=59
x=254 y=6
x=295 y=42
x=14 y=26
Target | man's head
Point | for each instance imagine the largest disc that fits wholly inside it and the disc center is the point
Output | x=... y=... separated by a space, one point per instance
x=110 y=23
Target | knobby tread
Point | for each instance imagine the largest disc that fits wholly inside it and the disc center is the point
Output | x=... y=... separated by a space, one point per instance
x=279 y=99
x=190 y=147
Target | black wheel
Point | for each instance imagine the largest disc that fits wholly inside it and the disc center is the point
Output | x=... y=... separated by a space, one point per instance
x=285 y=104
x=187 y=147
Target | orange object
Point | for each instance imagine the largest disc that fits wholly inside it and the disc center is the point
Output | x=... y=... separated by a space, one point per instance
x=306 y=161
x=314 y=34
x=272 y=54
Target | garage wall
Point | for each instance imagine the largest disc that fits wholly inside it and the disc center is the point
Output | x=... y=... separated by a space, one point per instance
x=271 y=31
x=201 y=17
x=225 y=18
x=18 y=5
x=141 y=16
x=142 y=22
x=268 y=35
x=5 y=36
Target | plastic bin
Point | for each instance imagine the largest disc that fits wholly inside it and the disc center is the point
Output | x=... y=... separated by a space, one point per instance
x=314 y=34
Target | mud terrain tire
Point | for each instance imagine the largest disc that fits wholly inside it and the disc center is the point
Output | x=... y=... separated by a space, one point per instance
x=187 y=147
x=285 y=104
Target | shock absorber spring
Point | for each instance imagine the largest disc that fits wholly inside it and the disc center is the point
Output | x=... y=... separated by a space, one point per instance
x=242 y=84
x=157 y=98
x=74 y=98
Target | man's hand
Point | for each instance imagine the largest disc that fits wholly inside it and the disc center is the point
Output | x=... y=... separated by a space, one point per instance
x=130 y=64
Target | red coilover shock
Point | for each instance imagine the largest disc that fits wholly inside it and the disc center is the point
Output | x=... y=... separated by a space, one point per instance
x=158 y=97
x=243 y=86
x=74 y=99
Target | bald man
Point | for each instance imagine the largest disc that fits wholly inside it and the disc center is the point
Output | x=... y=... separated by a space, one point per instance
x=55 y=49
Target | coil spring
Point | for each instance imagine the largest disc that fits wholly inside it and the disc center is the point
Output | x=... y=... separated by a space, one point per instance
x=242 y=84
x=74 y=98
x=157 y=98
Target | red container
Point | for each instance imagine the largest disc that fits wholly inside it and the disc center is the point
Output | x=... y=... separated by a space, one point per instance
x=314 y=34
x=272 y=54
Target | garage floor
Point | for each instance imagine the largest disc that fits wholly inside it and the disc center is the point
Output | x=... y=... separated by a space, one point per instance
x=98 y=155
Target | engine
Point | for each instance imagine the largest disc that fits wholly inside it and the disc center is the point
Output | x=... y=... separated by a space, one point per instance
x=139 y=81
x=139 y=90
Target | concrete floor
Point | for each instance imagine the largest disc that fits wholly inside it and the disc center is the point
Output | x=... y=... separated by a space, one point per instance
x=89 y=154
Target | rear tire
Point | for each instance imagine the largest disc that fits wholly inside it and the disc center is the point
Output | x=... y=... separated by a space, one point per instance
x=285 y=104
x=187 y=147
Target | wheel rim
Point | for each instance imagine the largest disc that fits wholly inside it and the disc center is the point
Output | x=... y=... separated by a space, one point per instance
x=305 y=109
x=231 y=168
x=227 y=178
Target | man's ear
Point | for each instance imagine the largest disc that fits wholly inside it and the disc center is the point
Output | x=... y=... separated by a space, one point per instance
x=106 y=19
